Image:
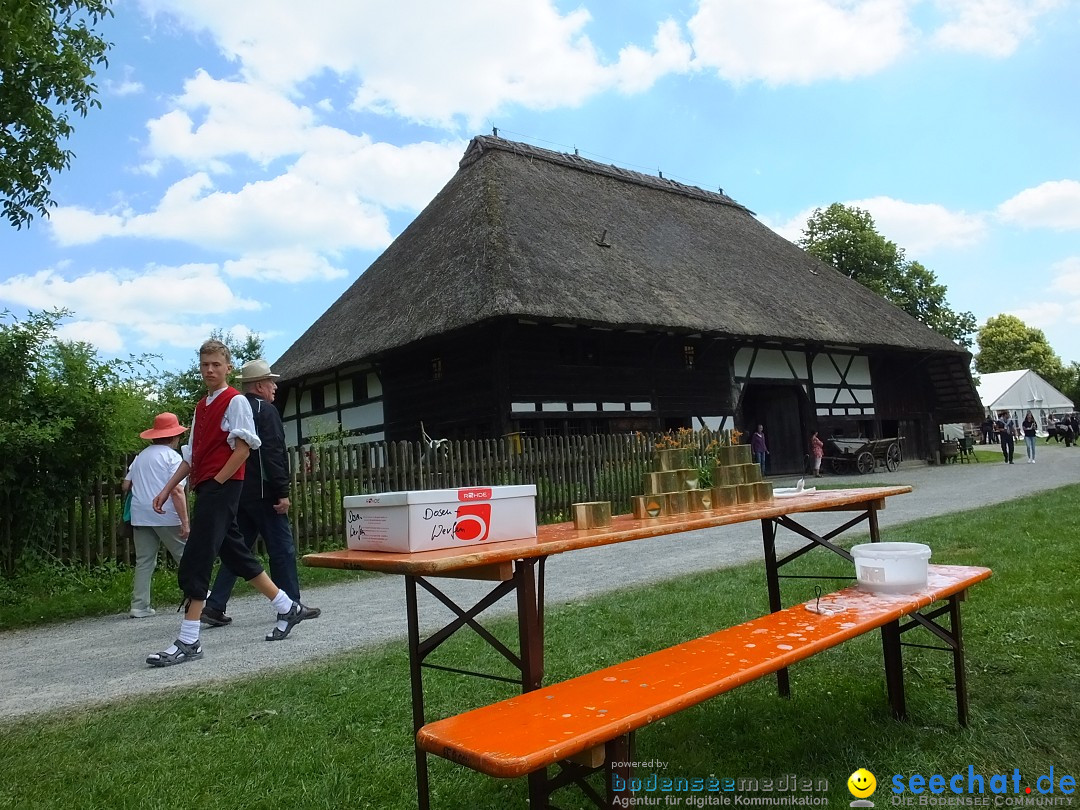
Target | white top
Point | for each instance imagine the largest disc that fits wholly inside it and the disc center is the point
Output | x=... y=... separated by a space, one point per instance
x=237 y=422
x=148 y=473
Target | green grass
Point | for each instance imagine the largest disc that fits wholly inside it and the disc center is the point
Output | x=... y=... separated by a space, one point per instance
x=46 y=590
x=337 y=733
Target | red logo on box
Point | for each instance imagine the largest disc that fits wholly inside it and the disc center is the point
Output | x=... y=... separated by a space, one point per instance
x=476 y=494
x=472 y=522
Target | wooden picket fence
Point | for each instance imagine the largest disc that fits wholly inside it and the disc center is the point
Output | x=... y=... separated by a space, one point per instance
x=565 y=470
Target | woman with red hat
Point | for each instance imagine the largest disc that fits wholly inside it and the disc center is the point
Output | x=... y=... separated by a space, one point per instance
x=146 y=477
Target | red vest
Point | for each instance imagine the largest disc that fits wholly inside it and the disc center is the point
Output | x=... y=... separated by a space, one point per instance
x=210 y=449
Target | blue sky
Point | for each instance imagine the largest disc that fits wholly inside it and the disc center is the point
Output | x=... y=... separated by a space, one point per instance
x=253 y=157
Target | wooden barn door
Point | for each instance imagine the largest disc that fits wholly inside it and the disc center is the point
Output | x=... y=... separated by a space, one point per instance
x=783 y=410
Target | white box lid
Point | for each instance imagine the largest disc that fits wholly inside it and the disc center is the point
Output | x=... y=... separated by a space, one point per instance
x=462 y=495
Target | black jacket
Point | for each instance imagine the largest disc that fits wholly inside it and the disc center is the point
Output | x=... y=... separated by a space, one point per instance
x=267 y=473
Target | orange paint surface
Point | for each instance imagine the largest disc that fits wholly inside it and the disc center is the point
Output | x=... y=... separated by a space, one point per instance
x=527 y=732
x=562 y=537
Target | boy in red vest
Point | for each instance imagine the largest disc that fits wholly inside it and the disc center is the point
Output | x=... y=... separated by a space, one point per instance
x=222 y=435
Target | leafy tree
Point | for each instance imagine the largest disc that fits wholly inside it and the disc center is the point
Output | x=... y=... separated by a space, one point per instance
x=48 y=56
x=179 y=392
x=1006 y=343
x=846 y=237
x=66 y=418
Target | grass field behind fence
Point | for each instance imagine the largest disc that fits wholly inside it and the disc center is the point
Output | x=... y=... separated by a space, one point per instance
x=337 y=733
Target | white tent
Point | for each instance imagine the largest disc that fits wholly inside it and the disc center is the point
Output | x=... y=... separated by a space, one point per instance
x=1021 y=391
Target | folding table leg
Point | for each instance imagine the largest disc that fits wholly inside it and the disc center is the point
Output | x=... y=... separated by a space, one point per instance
x=894 y=668
x=959 y=675
x=416 y=678
x=772 y=578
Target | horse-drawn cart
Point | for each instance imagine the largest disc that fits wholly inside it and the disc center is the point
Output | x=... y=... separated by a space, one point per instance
x=863 y=455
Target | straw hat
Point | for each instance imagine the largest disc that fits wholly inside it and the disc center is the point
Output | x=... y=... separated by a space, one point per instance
x=256 y=371
x=165 y=426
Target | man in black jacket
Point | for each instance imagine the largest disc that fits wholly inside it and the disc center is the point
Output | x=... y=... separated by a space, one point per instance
x=264 y=500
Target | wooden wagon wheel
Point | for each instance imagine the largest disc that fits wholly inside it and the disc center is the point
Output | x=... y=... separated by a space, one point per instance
x=839 y=466
x=892 y=457
x=865 y=462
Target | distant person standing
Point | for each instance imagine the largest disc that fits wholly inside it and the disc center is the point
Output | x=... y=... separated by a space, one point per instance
x=758 y=447
x=987 y=430
x=1030 y=426
x=1006 y=428
x=817 y=452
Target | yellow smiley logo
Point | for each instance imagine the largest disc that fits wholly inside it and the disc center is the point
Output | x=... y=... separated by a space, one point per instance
x=861 y=783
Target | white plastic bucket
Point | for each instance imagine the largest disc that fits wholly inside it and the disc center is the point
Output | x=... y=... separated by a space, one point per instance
x=891 y=567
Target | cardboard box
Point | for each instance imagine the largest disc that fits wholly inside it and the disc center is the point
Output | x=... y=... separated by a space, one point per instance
x=439 y=518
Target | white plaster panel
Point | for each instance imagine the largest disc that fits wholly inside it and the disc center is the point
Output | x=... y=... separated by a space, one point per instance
x=330 y=398
x=554 y=407
x=864 y=396
x=345 y=389
x=587 y=407
x=824 y=412
x=374 y=385
x=859 y=373
x=798 y=362
x=641 y=406
x=844 y=397
x=613 y=406
x=770 y=364
x=824 y=371
x=522 y=407
x=742 y=361
x=362 y=416
x=290 y=432
x=290 y=404
x=305 y=402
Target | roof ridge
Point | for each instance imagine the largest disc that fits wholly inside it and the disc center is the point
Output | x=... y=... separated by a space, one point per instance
x=482 y=143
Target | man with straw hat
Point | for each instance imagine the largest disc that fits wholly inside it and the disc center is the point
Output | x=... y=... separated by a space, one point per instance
x=146 y=476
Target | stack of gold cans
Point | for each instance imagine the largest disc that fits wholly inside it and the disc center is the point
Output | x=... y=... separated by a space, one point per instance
x=672 y=487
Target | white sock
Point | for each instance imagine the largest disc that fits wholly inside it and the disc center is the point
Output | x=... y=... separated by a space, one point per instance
x=282 y=602
x=189 y=634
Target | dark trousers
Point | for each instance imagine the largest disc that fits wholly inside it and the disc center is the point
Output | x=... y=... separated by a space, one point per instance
x=214 y=533
x=256 y=516
x=1007 y=447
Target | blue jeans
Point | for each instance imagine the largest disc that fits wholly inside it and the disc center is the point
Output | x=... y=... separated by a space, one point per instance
x=257 y=517
x=759 y=459
x=1030 y=442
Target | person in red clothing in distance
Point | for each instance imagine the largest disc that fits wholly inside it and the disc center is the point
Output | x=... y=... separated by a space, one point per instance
x=222 y=435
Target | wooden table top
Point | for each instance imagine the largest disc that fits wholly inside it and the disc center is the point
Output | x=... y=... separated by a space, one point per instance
x=561 y=537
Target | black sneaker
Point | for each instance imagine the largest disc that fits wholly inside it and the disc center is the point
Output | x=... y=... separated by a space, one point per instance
x=214 y=617
x=297 y=613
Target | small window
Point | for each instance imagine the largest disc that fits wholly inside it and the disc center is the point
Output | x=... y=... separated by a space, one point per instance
x=688 y=356
x=318 y=398
x=436 y=368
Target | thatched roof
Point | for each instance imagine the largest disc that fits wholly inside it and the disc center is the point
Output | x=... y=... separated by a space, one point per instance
x=526 y=232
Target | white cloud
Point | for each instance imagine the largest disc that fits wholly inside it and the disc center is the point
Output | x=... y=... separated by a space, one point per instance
x=103 y=336
x=1054 y=204
x=126 y=86
x=798 y=41
x=124 y=298
x=990 y=27
x=1040 y=315
x=1067 y=276
x=291 y=266
x=918 y=228
x=465 y=61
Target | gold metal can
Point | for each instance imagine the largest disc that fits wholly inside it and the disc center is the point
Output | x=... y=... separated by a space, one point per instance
x=591 y=514
x=745 y=493
x=647 y=506
x=698 y=500
x=724 y=496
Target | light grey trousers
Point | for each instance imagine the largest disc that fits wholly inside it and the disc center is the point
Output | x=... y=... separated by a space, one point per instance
x=148 y=539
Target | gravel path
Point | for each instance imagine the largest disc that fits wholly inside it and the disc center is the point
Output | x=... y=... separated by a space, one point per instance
x=42 y=669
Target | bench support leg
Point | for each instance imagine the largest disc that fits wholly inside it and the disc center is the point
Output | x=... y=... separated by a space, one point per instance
x=772 y=578
x=620 y=750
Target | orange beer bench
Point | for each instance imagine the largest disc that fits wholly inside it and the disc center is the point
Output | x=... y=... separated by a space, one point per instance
x=586 y=724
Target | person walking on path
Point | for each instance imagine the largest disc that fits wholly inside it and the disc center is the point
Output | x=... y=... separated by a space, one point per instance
x=758 y=448
x=264 y=498
x=222 y=436
x=817 y=452
x=145 y=478
x=1030 y=427
x=1006 y=428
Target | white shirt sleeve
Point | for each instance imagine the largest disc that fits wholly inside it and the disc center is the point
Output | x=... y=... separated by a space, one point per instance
x=185 y=449
x=239 y=423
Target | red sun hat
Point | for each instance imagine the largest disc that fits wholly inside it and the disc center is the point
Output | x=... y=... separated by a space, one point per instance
x=165 y=426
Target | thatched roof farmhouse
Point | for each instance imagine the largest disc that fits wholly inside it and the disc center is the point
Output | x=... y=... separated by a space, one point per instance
x=545 y=293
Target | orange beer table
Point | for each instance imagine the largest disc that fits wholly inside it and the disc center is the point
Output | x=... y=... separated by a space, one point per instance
x=517 y=567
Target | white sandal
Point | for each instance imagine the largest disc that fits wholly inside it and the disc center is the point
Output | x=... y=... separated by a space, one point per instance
x=184 y=652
